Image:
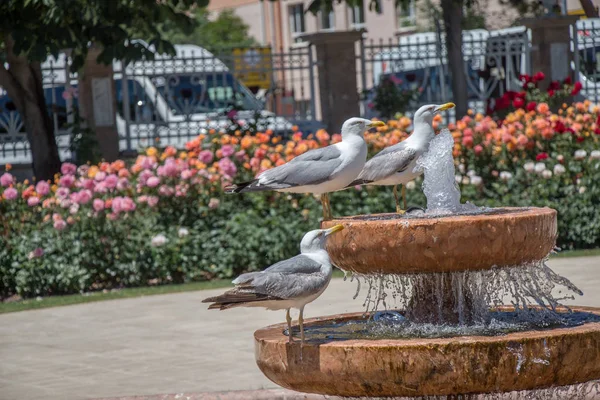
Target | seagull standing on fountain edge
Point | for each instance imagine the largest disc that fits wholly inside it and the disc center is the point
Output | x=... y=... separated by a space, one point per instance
x=318 y=171
x=291 y=283
x=395 y=165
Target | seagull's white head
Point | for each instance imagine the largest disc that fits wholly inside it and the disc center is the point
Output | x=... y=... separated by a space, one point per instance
x=315 y=240
x=426 y=113
x=358 y=126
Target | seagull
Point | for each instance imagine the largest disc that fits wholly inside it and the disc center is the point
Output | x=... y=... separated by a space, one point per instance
x=395 y=165
x=318 y=171
x=291 y=283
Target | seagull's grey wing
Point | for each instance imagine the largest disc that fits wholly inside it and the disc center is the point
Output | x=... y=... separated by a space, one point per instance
x=299 y=264
x=285 y=285
x=389 y=161
x=311 y=168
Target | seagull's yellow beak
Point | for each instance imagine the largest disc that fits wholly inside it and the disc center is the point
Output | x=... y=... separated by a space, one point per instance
x=334 y=229
x=445 y=107
x=375 y=124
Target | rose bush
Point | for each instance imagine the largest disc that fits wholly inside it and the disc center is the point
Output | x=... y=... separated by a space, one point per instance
x=163 y=217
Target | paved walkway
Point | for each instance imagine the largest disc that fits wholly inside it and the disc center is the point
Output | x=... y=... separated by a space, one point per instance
x=165 y=344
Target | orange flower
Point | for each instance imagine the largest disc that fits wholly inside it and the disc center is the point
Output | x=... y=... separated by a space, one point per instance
x=266 y=164
x=93 y=171
x=8 y=167
x=246 y=142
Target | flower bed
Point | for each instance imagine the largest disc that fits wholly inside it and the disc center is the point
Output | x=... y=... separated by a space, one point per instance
x=164 y=218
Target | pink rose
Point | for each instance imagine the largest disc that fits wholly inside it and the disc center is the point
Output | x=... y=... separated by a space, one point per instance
x=153 y=181
x=467 y=141
x=478 y=149
x=148 y=163
x=186 y=174
x=144 y=175
x=111 y=181
x=206 y=156
x=37 y=253
x=6 y=179
x=152 y=201
x=66 y=181
x=83 y=169
x=122 y=184
x=42 y=188
x=68 y=169
x=98 y=205
x=165 y=190
x=33 y=201
x=227 y=150
x=100 y=187
x=62 y=193
x=87 y=184
x=100 y=176
x=227 y=167
x=240 y=155
x=74 y=208
x=60 y=224
x=84 y=197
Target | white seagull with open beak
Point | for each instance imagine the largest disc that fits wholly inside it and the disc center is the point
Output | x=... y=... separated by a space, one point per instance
x=395 y=165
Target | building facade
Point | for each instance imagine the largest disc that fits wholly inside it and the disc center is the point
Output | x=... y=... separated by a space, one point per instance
x=282 y=23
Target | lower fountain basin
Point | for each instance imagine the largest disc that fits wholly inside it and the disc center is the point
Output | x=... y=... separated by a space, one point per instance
x=395 y=244
x=526 y=360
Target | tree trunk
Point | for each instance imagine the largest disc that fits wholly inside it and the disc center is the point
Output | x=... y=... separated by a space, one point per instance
x=588 y=7
x=452 y=11
x=23 y=84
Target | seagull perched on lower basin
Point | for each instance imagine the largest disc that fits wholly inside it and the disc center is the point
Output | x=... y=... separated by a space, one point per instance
x=318 y=171
x=291 y=283
x=395 y=165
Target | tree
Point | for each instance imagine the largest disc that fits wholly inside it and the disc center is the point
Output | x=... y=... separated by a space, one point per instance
x=32 y=30
x=227 y=30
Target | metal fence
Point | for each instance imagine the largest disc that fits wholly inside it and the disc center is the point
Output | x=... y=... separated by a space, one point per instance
x=585 y=46
x=493 y=62
x=170 y=100
x=59 y=90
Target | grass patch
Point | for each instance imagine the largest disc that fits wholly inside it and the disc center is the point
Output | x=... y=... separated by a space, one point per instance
x=57 y=301
x=577 y=253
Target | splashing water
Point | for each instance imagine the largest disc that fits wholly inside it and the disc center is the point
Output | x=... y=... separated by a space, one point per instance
x=534 y=290
x=439 y=185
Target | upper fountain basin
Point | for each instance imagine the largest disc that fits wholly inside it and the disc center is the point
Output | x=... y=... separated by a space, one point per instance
x=393 y=244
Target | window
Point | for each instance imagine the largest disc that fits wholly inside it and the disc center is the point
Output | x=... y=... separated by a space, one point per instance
x=296 y=13
x=406 y=14
x=326 y=20
x=357 y=14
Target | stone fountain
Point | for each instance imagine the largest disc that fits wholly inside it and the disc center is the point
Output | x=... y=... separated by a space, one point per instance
x=436 y=323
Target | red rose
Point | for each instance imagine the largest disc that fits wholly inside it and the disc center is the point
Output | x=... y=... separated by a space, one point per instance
x=559 y=127
x=510 y=94
x=554 y=85
x=597 y=131
x=502 y=103
x=541 y=156
x=567 y=80
x=580 y=139
x=539 y=77
x=525 y=78
x=531 y=106
x=576 y=88
x=521 y=95
x=518 y=102
x=550 y=92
